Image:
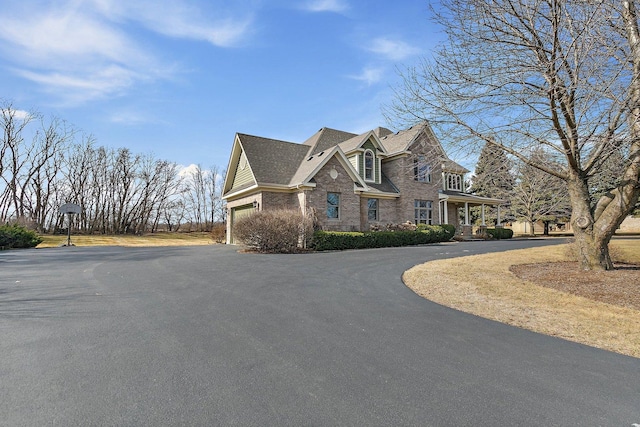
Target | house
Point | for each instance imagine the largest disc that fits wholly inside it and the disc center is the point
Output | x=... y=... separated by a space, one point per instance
x=349 y=181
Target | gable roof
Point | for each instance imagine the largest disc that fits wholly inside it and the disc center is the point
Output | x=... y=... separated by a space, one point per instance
x=382 y=132
x=401 y=141
x=309 y=167
x=326 y=138
x=265 y=156
x=273 y=162
x=357 y=141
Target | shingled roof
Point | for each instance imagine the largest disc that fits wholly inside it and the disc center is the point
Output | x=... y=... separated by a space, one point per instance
x=326 y=138
x=266 y=158
x=291 y=164
x=400 y=141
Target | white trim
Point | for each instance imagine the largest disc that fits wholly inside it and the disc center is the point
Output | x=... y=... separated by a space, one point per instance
x=373 y=165
x=234 y=159
x=346 y=164
x=276 y=188
x=240 y=192
x=466 y=213
x=446 y=212
x=380 y=195
x=473 y=199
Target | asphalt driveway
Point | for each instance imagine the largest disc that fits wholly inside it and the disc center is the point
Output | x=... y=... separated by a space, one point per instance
x=208 y=336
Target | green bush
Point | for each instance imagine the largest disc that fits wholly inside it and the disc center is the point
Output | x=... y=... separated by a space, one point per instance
x=500 y=233
x=333 y=240
x=16 y=236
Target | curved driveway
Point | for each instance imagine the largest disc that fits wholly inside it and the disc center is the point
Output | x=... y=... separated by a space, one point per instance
x=207 y=336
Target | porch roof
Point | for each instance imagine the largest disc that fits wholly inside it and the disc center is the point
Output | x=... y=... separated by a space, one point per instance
x=471 y=199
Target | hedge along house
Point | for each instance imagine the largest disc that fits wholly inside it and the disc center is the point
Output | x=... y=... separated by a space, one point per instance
x=350 y=182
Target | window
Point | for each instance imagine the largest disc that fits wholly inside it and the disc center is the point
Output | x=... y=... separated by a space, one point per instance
x=423 y=211
x=421 y=170
x=368 y=165
x=333 y=205
x=454 y=182
x=372 y=209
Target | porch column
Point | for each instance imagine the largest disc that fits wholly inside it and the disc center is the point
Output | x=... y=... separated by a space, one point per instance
x=466 y=213
x=483 y=223
x=446 y=212
x=498 y=217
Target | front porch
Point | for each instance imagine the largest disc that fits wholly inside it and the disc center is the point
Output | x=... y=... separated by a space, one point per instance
x=452 y=202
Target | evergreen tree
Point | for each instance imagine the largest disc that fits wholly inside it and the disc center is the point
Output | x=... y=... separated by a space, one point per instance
x=493 y=178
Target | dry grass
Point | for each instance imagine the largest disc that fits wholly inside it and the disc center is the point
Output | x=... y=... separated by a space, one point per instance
x=155 y=239
x=485 y=286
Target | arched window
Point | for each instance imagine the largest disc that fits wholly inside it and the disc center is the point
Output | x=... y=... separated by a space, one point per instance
x=369 y=161
x=454 y=182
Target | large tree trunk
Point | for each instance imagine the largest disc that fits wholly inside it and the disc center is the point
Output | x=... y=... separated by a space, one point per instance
x=593 y=229
x=591 y=243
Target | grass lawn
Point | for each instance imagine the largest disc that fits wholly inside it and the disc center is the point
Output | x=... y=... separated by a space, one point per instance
x=152 y=239
x=484 y=285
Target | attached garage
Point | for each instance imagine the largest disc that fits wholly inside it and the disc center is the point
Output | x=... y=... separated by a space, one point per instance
x=237 y=213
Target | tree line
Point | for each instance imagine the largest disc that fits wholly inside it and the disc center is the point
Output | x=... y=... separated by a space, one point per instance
x=46 y=162
x=532 y=195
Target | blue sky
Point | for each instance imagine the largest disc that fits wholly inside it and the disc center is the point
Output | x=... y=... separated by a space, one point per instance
x=180 y=78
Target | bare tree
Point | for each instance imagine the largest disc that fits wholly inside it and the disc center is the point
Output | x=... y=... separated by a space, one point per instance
x=217 y=208
x=537 y=195
x=561 y=74
x=43 y=171
x=119 y=192
x=196 y=184
x=13 y=153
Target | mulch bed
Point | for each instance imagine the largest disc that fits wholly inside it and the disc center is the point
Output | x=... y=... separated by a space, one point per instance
x=620 y=286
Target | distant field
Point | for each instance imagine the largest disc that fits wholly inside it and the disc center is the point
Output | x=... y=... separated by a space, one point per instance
x=155 y=239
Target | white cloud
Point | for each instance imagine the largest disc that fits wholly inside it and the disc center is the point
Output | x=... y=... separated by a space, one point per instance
x=187 y=171
x=54 y=38
x=84 y=50
x=395 y=50
x=19 y=114
x=181 y=20
x=369 y=75
x=77 y=88
x=326 y=6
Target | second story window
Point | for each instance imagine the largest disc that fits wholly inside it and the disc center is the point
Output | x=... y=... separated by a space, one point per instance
x=454 y=182
x=421 y=169
x=369 y=161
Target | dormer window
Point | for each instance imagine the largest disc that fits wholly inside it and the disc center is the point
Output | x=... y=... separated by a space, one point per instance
x=369 y=164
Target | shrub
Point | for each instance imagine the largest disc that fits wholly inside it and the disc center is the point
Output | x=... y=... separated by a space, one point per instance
x=500 y=233
x=445 y=231
x=333 y=240
x=16 y=236
x=282 y=231
x=219 y=232
x=406 y=226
